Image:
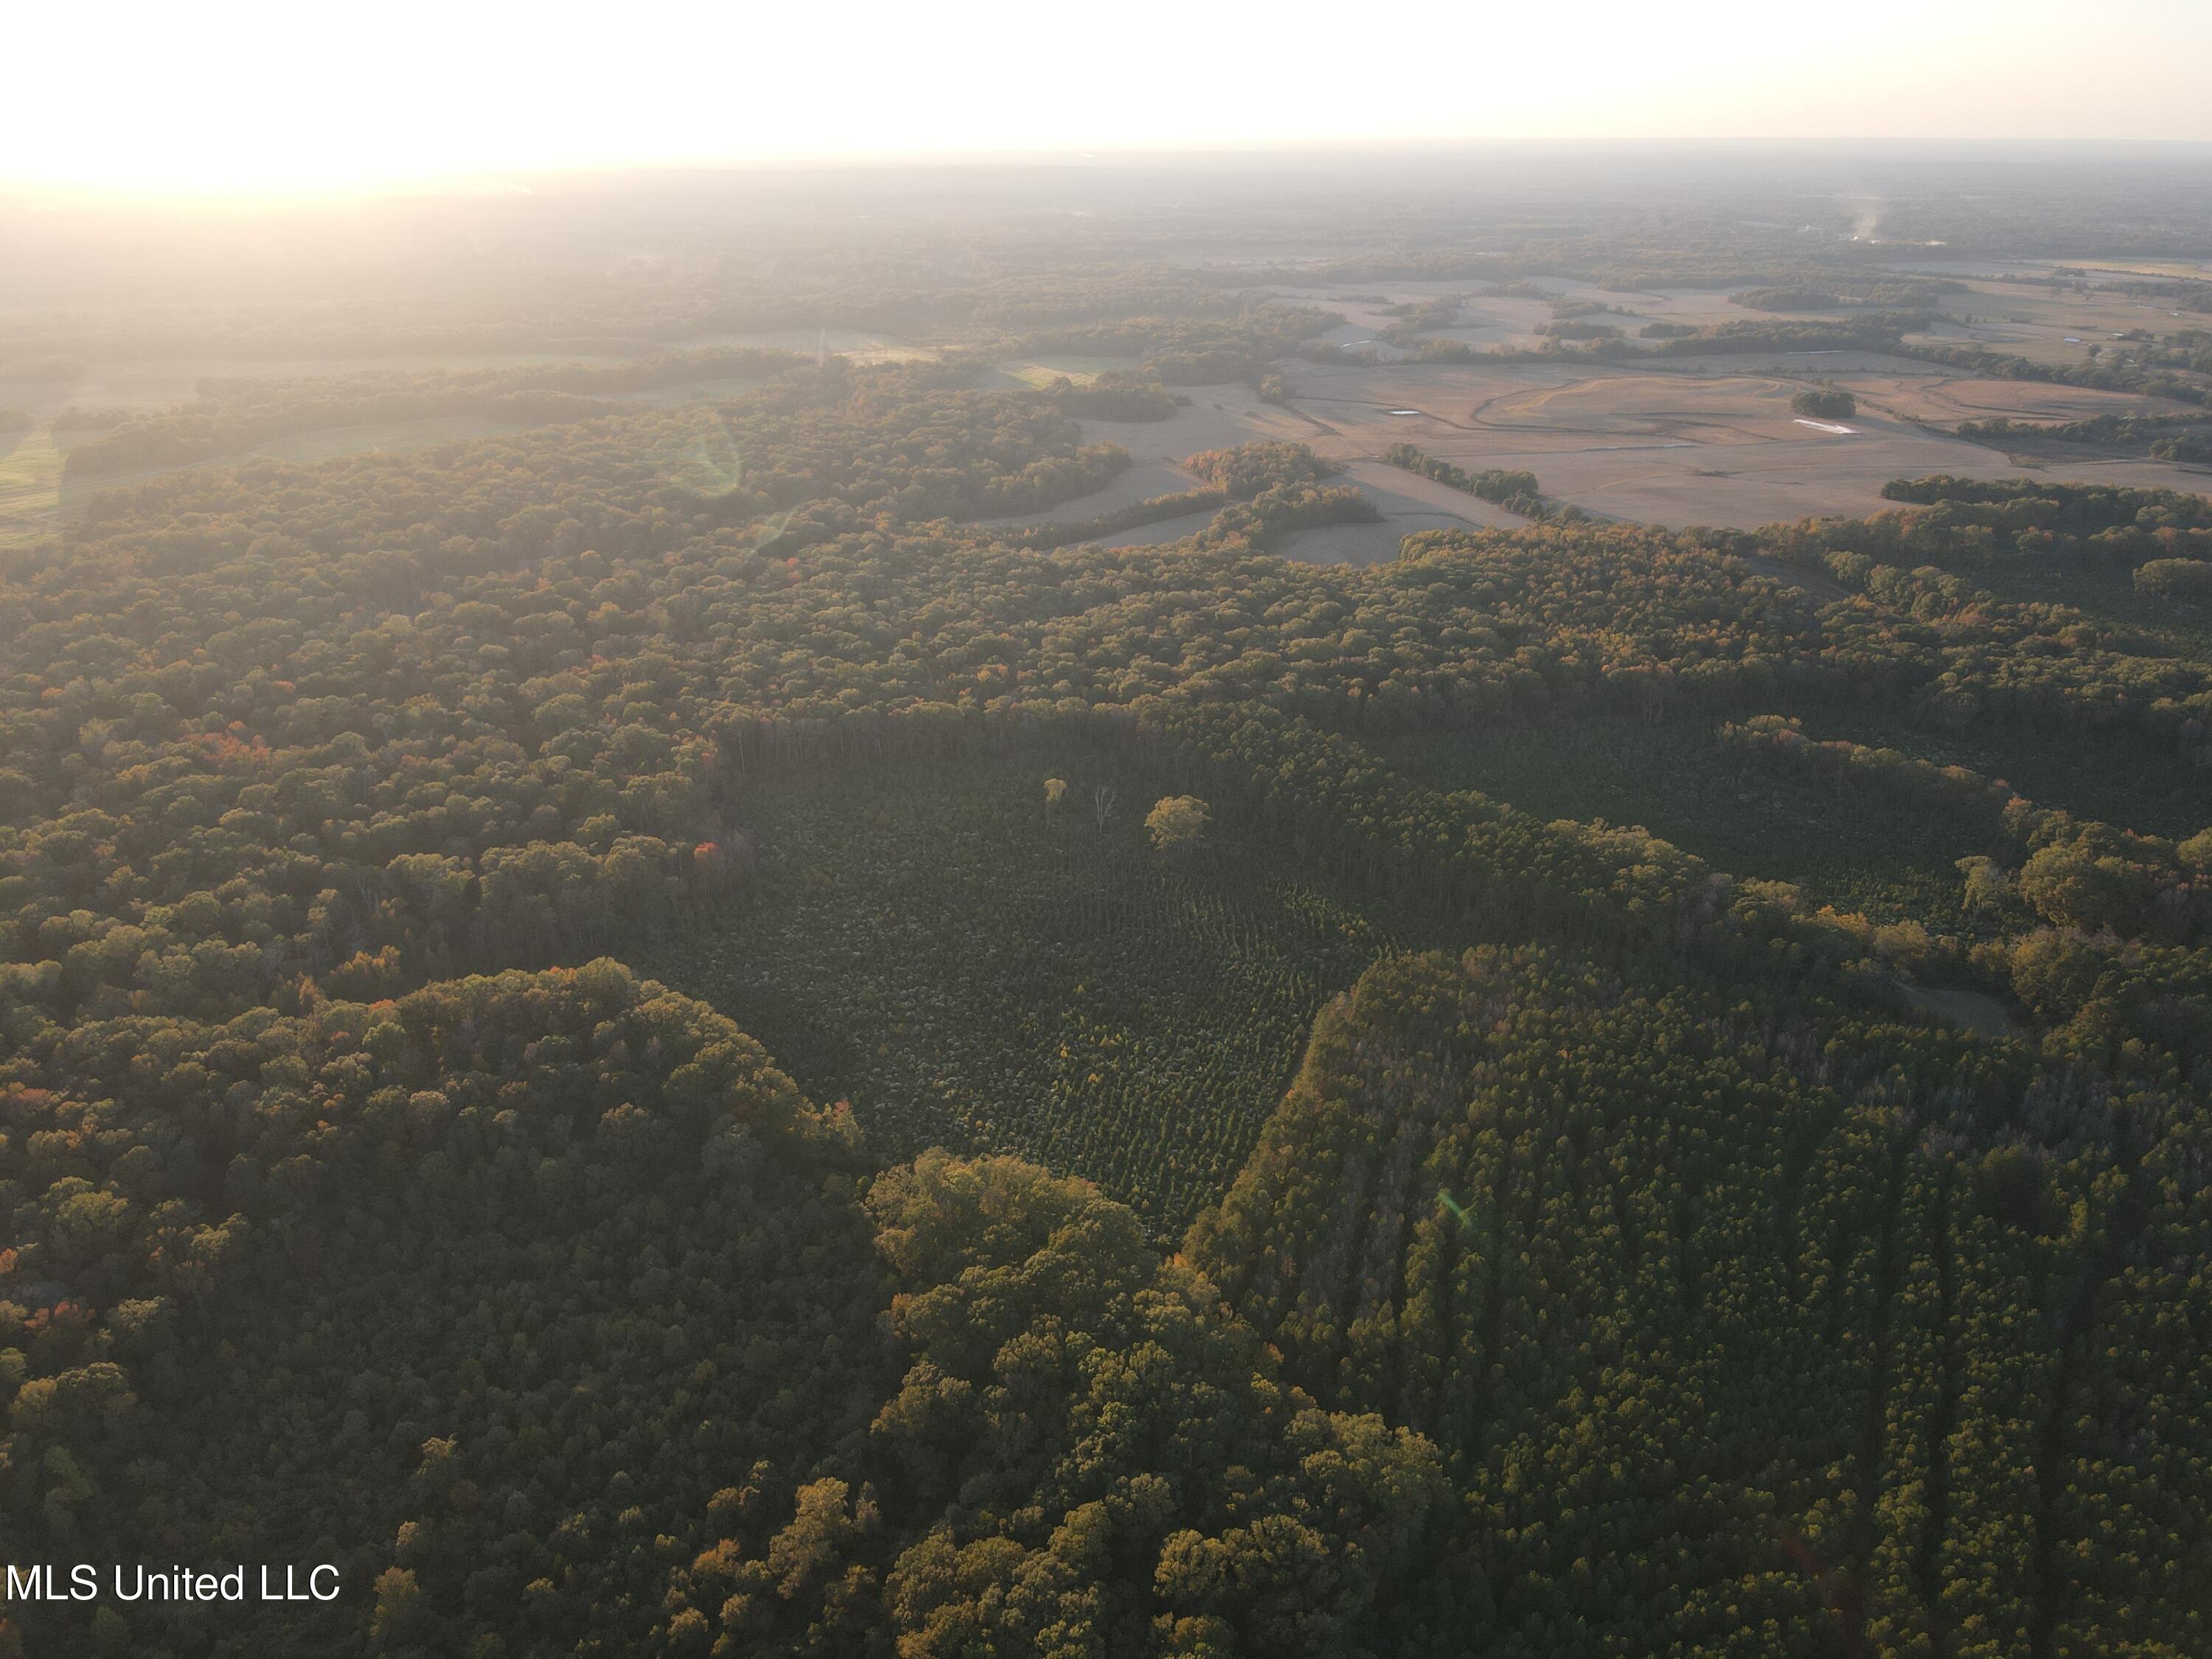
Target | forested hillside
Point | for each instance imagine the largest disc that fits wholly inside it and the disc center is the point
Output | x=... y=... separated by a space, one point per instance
x=1745 y=1331
x=1650 y=1254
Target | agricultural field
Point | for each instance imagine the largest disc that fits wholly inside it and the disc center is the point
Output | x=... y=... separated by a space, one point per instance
x=1675 y=446
x=1033 y=983
x=1938 y=398
x=1226 y=416
x=1699 y=441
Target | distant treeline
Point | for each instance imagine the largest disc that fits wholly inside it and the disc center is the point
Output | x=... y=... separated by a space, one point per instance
x=1873 y=331
x=2051 y=867
x=2161 y=437
x=1515 y=489
x=1155 y=510
x=1882 y=289
x=1828 y=291
x=1280 y=509
x=2146 y=379
x=2182 y=295
x=1266 y=490
x=232 y=415
x=1117 y=396
x=1194 y=350
x=79 y=417
x=1274 y=488
x=1424 y=317
x=2175 y=579
x=1975 y=520
x=1784 y=299
x=1578 y=328
x=1248 y=469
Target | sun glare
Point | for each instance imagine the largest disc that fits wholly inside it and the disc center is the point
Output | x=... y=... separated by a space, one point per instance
x=248 y=97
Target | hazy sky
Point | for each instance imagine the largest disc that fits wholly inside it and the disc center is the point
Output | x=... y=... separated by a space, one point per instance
x=234 y=95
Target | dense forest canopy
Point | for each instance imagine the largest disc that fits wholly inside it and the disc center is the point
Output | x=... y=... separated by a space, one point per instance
x=712 y=1017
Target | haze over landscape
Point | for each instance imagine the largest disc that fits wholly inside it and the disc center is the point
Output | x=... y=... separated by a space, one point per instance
x=253 y=98
x=1172 y=834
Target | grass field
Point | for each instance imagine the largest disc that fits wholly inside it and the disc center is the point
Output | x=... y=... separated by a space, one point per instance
x=1025 y=984
x=1853 y=851
x=30 y=486
x=1041 y=372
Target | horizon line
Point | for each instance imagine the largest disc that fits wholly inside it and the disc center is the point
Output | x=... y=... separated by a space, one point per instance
x=492 y=181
